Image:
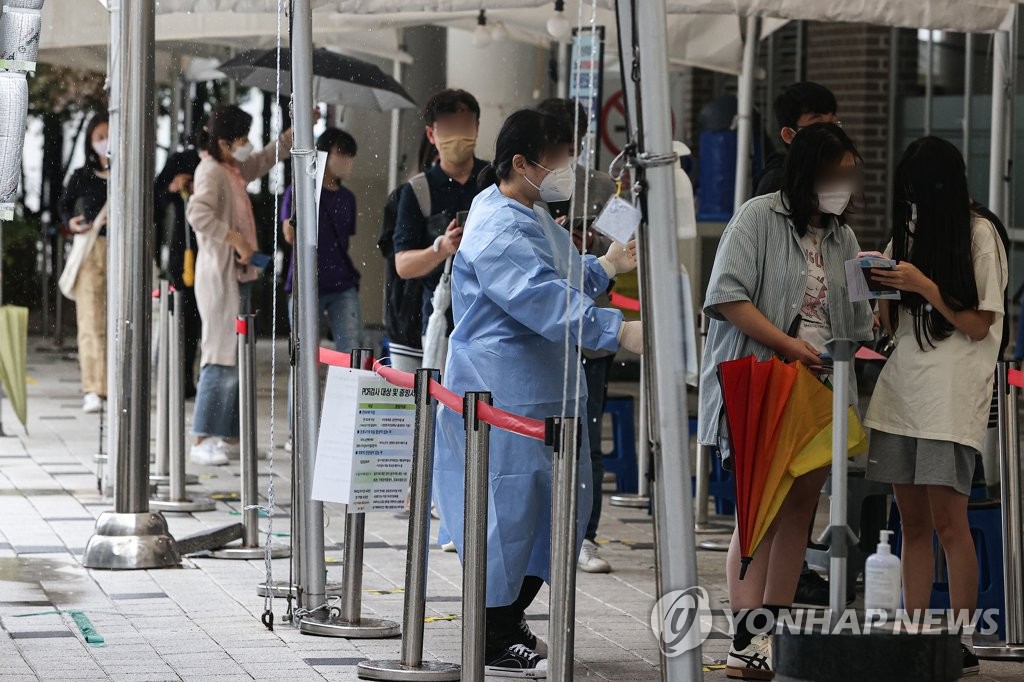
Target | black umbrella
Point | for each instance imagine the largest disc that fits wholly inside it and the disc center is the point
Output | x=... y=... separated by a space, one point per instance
x=337 y=78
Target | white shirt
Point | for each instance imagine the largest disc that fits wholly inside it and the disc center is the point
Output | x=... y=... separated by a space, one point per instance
x=944 y=393
x=815 y=322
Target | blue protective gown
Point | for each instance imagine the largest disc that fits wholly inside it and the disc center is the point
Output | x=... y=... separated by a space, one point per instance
x=510 y=282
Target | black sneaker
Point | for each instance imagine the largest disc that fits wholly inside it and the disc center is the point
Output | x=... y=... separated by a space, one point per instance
x=532 y=641
x=517 y=660
x=812 y=590
x=971 y=664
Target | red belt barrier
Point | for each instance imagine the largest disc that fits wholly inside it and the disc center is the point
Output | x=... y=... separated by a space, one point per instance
x=1016 y=378
x=506 y=421
x=625 y=303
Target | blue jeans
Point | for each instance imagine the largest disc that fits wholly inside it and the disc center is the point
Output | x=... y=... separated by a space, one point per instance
x=216 y=412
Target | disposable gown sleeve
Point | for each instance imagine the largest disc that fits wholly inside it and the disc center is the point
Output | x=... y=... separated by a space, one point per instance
x=595 y=280
x=532 y=292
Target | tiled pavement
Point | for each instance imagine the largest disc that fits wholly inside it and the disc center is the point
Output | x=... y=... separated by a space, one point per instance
x=202 y=621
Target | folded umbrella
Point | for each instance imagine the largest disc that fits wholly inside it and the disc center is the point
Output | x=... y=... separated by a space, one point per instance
x=435 y=346
x=337 y=78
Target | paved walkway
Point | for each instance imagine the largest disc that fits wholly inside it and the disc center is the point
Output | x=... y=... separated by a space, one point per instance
x=202 y=621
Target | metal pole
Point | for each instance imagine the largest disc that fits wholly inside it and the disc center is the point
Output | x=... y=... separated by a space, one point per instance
x=131 y=536
x=1013 y=523
x=348 y=621
x=838 y=533
x=474 y=551
x=997 y=169
x=396 y=128
x=744 y=114
x=177 y=499
x=114 y=229
x=798 y=67
x=411 y=666
x=929 y=87
x=162 y=384
x=890 y=138
x=968 y=95
x=676 y=560
x=642 y=499
x=564 y=436
x=245 y=328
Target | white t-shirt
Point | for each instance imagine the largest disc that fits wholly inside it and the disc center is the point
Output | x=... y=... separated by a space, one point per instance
x=815 y=322
x=944 y=393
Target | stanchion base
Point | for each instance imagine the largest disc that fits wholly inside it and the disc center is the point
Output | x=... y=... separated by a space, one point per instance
x=712 y=528
x=159 y=479
x=992 y=649
x=186 y=506
x=429 y=671
x=249 y=553
x=366 y=628
x=633 y=501
x=281 y=590
x=131 y=541
x=714 y=545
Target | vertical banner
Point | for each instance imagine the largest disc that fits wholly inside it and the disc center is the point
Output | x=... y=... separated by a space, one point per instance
x=586 y=74
x=364 y=450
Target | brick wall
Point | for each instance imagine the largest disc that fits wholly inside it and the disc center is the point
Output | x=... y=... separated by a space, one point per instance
x=853 y=61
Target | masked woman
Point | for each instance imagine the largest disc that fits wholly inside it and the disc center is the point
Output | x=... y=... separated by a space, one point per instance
x=518 y=307
x=778 y=287
x=220 y=212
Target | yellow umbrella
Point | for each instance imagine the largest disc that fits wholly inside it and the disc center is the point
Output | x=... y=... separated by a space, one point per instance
x=14 y=358
x=804 y=443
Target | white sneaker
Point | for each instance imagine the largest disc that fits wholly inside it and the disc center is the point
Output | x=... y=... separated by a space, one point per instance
x=230 y=450
x=210 y=452
x=92 y=403
x=753 y=663
x=590 y=560
x=449 y=546
x=288 y=445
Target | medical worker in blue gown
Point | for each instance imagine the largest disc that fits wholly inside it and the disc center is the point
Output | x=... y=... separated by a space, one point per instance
x=515 y=296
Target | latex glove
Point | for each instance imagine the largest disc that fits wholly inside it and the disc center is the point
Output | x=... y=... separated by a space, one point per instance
x=631 y=337
x=620 y=259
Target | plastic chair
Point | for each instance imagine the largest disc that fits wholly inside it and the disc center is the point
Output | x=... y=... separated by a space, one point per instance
x=621 y=461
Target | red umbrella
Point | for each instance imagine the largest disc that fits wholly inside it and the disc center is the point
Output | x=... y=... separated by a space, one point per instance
x=755 y=396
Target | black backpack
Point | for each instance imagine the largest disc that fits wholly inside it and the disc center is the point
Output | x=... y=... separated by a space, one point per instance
x=403 y=316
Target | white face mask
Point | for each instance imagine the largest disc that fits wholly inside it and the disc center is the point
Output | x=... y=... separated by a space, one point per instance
x=557 y=185
x=101 y=147
x=242 y=153
x=834 y=202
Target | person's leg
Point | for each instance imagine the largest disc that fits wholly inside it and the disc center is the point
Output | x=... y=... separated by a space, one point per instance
x=343 y=314
x=193 y=332
x=949 y=516
x=90 y=313
x=790 y=540
x=596 y=372
x=216 y=410
x=918 y=553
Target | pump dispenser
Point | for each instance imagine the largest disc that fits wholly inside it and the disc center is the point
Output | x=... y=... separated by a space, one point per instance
x=882 y=580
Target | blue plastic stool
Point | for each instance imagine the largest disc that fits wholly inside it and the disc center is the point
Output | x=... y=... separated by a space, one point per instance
x=621 y=461
x=986 y=523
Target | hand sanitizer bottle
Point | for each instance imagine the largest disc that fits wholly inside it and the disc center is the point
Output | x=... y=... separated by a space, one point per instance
x=882 y=581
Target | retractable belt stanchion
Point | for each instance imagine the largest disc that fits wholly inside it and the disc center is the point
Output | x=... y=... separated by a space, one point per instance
x=162 y=469
x=347 y=621
x=474 y=563
x=245 y=326
x=564 y=436
x=177 y=498
x=1013 y=524
x=702 y=493
x=412 y=666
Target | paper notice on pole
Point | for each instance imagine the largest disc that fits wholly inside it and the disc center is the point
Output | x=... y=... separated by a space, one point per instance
x=364 y=451
x=619 y=220
x=863 y=285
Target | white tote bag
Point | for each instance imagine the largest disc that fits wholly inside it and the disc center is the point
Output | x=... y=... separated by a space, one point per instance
x=81 y=247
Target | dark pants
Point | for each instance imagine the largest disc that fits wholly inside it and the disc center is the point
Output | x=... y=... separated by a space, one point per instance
x=193 y=333
x=503 y=621
x=596 y=370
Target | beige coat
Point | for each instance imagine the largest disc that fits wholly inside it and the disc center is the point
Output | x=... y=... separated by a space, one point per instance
x=211 y=214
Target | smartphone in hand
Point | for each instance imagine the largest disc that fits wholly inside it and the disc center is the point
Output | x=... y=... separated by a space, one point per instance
x=260 y=260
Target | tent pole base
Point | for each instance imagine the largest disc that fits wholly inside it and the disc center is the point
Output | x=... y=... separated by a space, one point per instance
x=131 y=541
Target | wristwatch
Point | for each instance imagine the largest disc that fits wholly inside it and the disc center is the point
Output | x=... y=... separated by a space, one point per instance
x=437 y=244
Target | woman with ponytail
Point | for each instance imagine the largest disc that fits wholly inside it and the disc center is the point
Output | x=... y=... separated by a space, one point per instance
x=522 y=298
